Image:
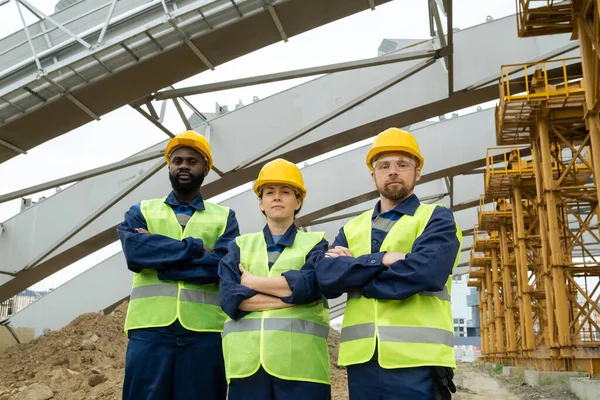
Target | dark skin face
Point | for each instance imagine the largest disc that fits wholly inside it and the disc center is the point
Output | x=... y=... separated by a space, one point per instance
x=186 y=172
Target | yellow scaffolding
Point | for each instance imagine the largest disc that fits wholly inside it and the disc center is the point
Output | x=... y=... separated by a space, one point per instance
x=525 y=89
x=544 y=17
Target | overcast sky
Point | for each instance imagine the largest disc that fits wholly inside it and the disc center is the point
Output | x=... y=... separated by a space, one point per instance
x=124 y=132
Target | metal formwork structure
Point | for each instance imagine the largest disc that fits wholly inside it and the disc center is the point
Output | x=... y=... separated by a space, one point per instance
x=558 y=117
x=495 y=217
x=483 y=267
x=543 y=17
x=546 y=197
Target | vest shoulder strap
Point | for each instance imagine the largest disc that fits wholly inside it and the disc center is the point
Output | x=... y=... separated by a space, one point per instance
x=216 y=209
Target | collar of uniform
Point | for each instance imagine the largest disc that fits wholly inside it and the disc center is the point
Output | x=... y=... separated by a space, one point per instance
x=408 y=206
x=197 y=204
x=286 y=240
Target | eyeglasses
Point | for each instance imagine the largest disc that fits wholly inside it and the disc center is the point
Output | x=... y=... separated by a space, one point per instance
x=402 y=164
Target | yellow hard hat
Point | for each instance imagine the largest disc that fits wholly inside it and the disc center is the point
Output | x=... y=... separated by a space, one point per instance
x=394 y=139
x=193 y=140
x=283 y=172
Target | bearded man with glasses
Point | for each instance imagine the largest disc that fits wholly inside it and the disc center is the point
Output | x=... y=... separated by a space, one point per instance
x=395 y=263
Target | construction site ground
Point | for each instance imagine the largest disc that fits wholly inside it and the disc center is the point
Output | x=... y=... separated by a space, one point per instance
x=85 y=360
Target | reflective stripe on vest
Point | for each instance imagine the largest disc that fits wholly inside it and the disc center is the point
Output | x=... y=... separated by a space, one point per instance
x=277 y=324
x=155 y=303
x=442 y=295
x=417 y=331
x=400 y=334
x=290 y=343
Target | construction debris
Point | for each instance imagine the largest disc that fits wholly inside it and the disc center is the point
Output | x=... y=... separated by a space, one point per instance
x=86 y=360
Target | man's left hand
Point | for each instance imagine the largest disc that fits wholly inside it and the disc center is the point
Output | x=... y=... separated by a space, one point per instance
x=247 y=279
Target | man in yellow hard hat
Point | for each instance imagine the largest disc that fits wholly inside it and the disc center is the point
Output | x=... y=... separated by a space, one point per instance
x=174 y=245
x=395 y=263
x=275 y=339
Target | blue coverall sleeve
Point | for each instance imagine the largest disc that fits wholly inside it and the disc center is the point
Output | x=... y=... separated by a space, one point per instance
x=303 y=282
x=428 y=265
x=342 y=274
x=154 y=251
x=204 y=268
x=231 y=291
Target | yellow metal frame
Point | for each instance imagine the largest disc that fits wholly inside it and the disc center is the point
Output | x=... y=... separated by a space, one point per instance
x=544 y=17
x=499 y=175
x=483 y=240
x=489 y=215
x=548 y=90
x=527 y=88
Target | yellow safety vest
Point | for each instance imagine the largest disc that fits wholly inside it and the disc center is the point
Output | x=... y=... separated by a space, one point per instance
x=155 y=303
x=290 y=343
x=414 y=332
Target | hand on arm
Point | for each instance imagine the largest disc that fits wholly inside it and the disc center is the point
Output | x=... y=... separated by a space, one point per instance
x=145 y=250
x=340 y=272
x=263 y=302
x=391 y=257
x=428 y=265
x=338 y=251
x=203 y=267
x=273 y=286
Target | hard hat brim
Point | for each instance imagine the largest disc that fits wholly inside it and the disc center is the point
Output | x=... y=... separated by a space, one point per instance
x=191 y=143
x=260 y=183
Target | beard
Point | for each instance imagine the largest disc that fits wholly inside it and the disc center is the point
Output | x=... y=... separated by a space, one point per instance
x=396 y=194
x=188 y=187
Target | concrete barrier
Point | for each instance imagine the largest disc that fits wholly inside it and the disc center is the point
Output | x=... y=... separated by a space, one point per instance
x=585 y=388
x=545 y=378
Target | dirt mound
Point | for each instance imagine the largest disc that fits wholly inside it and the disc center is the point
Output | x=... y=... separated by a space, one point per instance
x=339 y=378
x=84 y=360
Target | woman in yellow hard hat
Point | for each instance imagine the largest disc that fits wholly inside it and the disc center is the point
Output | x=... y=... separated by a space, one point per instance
x=275 y=339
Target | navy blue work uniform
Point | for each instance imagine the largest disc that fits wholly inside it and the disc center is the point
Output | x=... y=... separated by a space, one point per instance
x=173 y=363
x=303 y=284
x=425 y=268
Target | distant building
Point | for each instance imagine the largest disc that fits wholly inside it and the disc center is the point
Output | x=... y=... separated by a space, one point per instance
x=20 y=301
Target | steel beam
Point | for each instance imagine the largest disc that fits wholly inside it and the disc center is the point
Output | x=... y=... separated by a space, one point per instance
x=336 y=113
x=143 y=178
x=12 y=147
x=82 y=175
x=276 y=20
x=72 y=98
x=182 y=115
x=60 y=26
x=237 y=8
x=28 y=35
x=157 y=67
x=149 y=117
x=438 y=22
x=298 y=73
x=192 y=46
x=107 y=22
x=562 y=50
